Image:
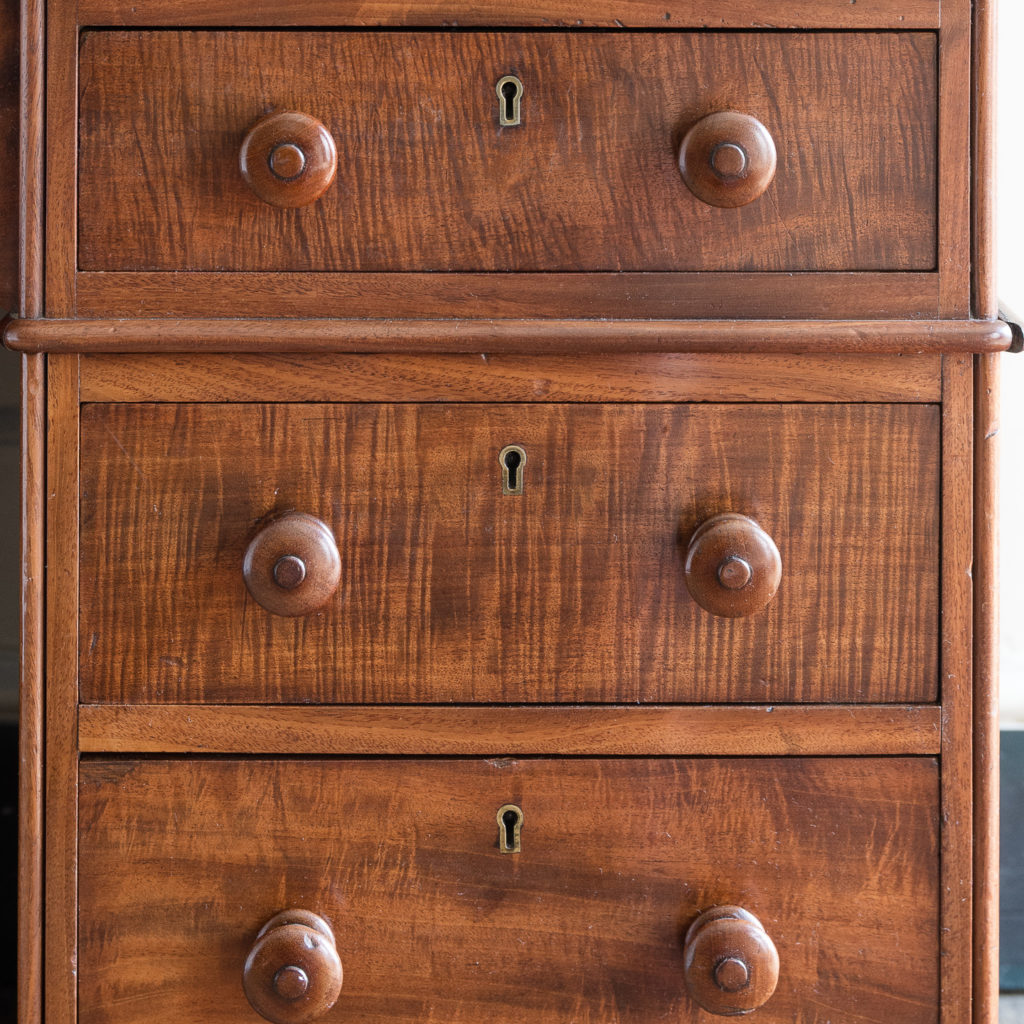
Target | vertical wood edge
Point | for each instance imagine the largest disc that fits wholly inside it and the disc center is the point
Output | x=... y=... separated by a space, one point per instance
x=61 y=762
x=955 y=138
x=61 y=157
x=955 y=674
x=32 y=703
x=984 y=296
x=30 y=217
x=986 y=692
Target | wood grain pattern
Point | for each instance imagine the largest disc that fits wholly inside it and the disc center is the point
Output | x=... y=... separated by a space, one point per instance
x=32 y=727
x=430 y=182
x=525 y=336
x=986 y=691
x=31 y=174
x=451 y=591
x=32 y=724
x=772 y=731
x=907 y=14
x=433 y=923
x=659 y=296
x=955 y=171
x=985 y=299
x=61 y=157
x=956 y=689
x=664 y=377
x=10 y=104
x=61 y=765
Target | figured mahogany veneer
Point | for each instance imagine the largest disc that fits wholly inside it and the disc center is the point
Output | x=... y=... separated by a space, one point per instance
x=430 y=181
x=450 y=590
x=837 y=859
x=814 y=777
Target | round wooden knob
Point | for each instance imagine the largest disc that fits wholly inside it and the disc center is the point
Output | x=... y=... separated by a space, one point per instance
x=731 y=965
x=733 y=567
x=292 y=566
x=292 y=974
x=728 y=159
x=288 y=159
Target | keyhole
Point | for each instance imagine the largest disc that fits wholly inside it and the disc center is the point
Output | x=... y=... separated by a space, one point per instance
x=510 y=93
x=512 y=458
x=510 y=823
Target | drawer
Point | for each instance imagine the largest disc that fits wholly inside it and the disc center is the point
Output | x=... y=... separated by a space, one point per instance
x=428 y=179
x=836 y=860
x=444 y=588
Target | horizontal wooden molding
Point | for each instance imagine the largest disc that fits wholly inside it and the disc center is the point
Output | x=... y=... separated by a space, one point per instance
x=623 y=377
x=474 y=296
x=511 y=336
x=600 y=730
x=676 y=14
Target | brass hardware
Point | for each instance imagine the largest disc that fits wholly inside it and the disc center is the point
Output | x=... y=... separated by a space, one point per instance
x=510 y=823
x=513 y=461
x=510 y=95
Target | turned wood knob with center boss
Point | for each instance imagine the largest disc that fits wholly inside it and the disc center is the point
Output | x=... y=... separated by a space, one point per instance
x=288 y=159
x=731 y=963
x=733 y=567
x=292 y=566
x=293 y=973
x=728 y=159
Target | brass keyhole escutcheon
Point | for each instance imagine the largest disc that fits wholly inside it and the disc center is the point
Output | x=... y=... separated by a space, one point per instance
x=510 y=824
x=510 y=95
x=513 y=461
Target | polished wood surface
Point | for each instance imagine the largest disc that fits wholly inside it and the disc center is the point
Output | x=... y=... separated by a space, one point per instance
x=955 y=105
x=61 y=699
x=546 y=337
x=453 y=591
x=292 y=974
x=906 y=14
x=58 y=201
x=442 y=296
x=688 y=730
x=846 y=392
x=956 y=667
x=292 y=566
x=431 y=182
x=731 y=963
x=733 y=568
x=728 y=159
x=288 y=159
x=32 y=724
x=626 y=377
x=986 y=689
x=30 y=151
x=31 y=708
x=433 y=922
x=10 y=105
x=984 y=278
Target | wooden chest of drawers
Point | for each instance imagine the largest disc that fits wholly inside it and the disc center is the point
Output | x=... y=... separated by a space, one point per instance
x=508 y=507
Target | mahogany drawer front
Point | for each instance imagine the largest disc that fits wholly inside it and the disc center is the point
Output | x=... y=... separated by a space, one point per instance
x=449 y=590
x=428 y=180
x=837 y=859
